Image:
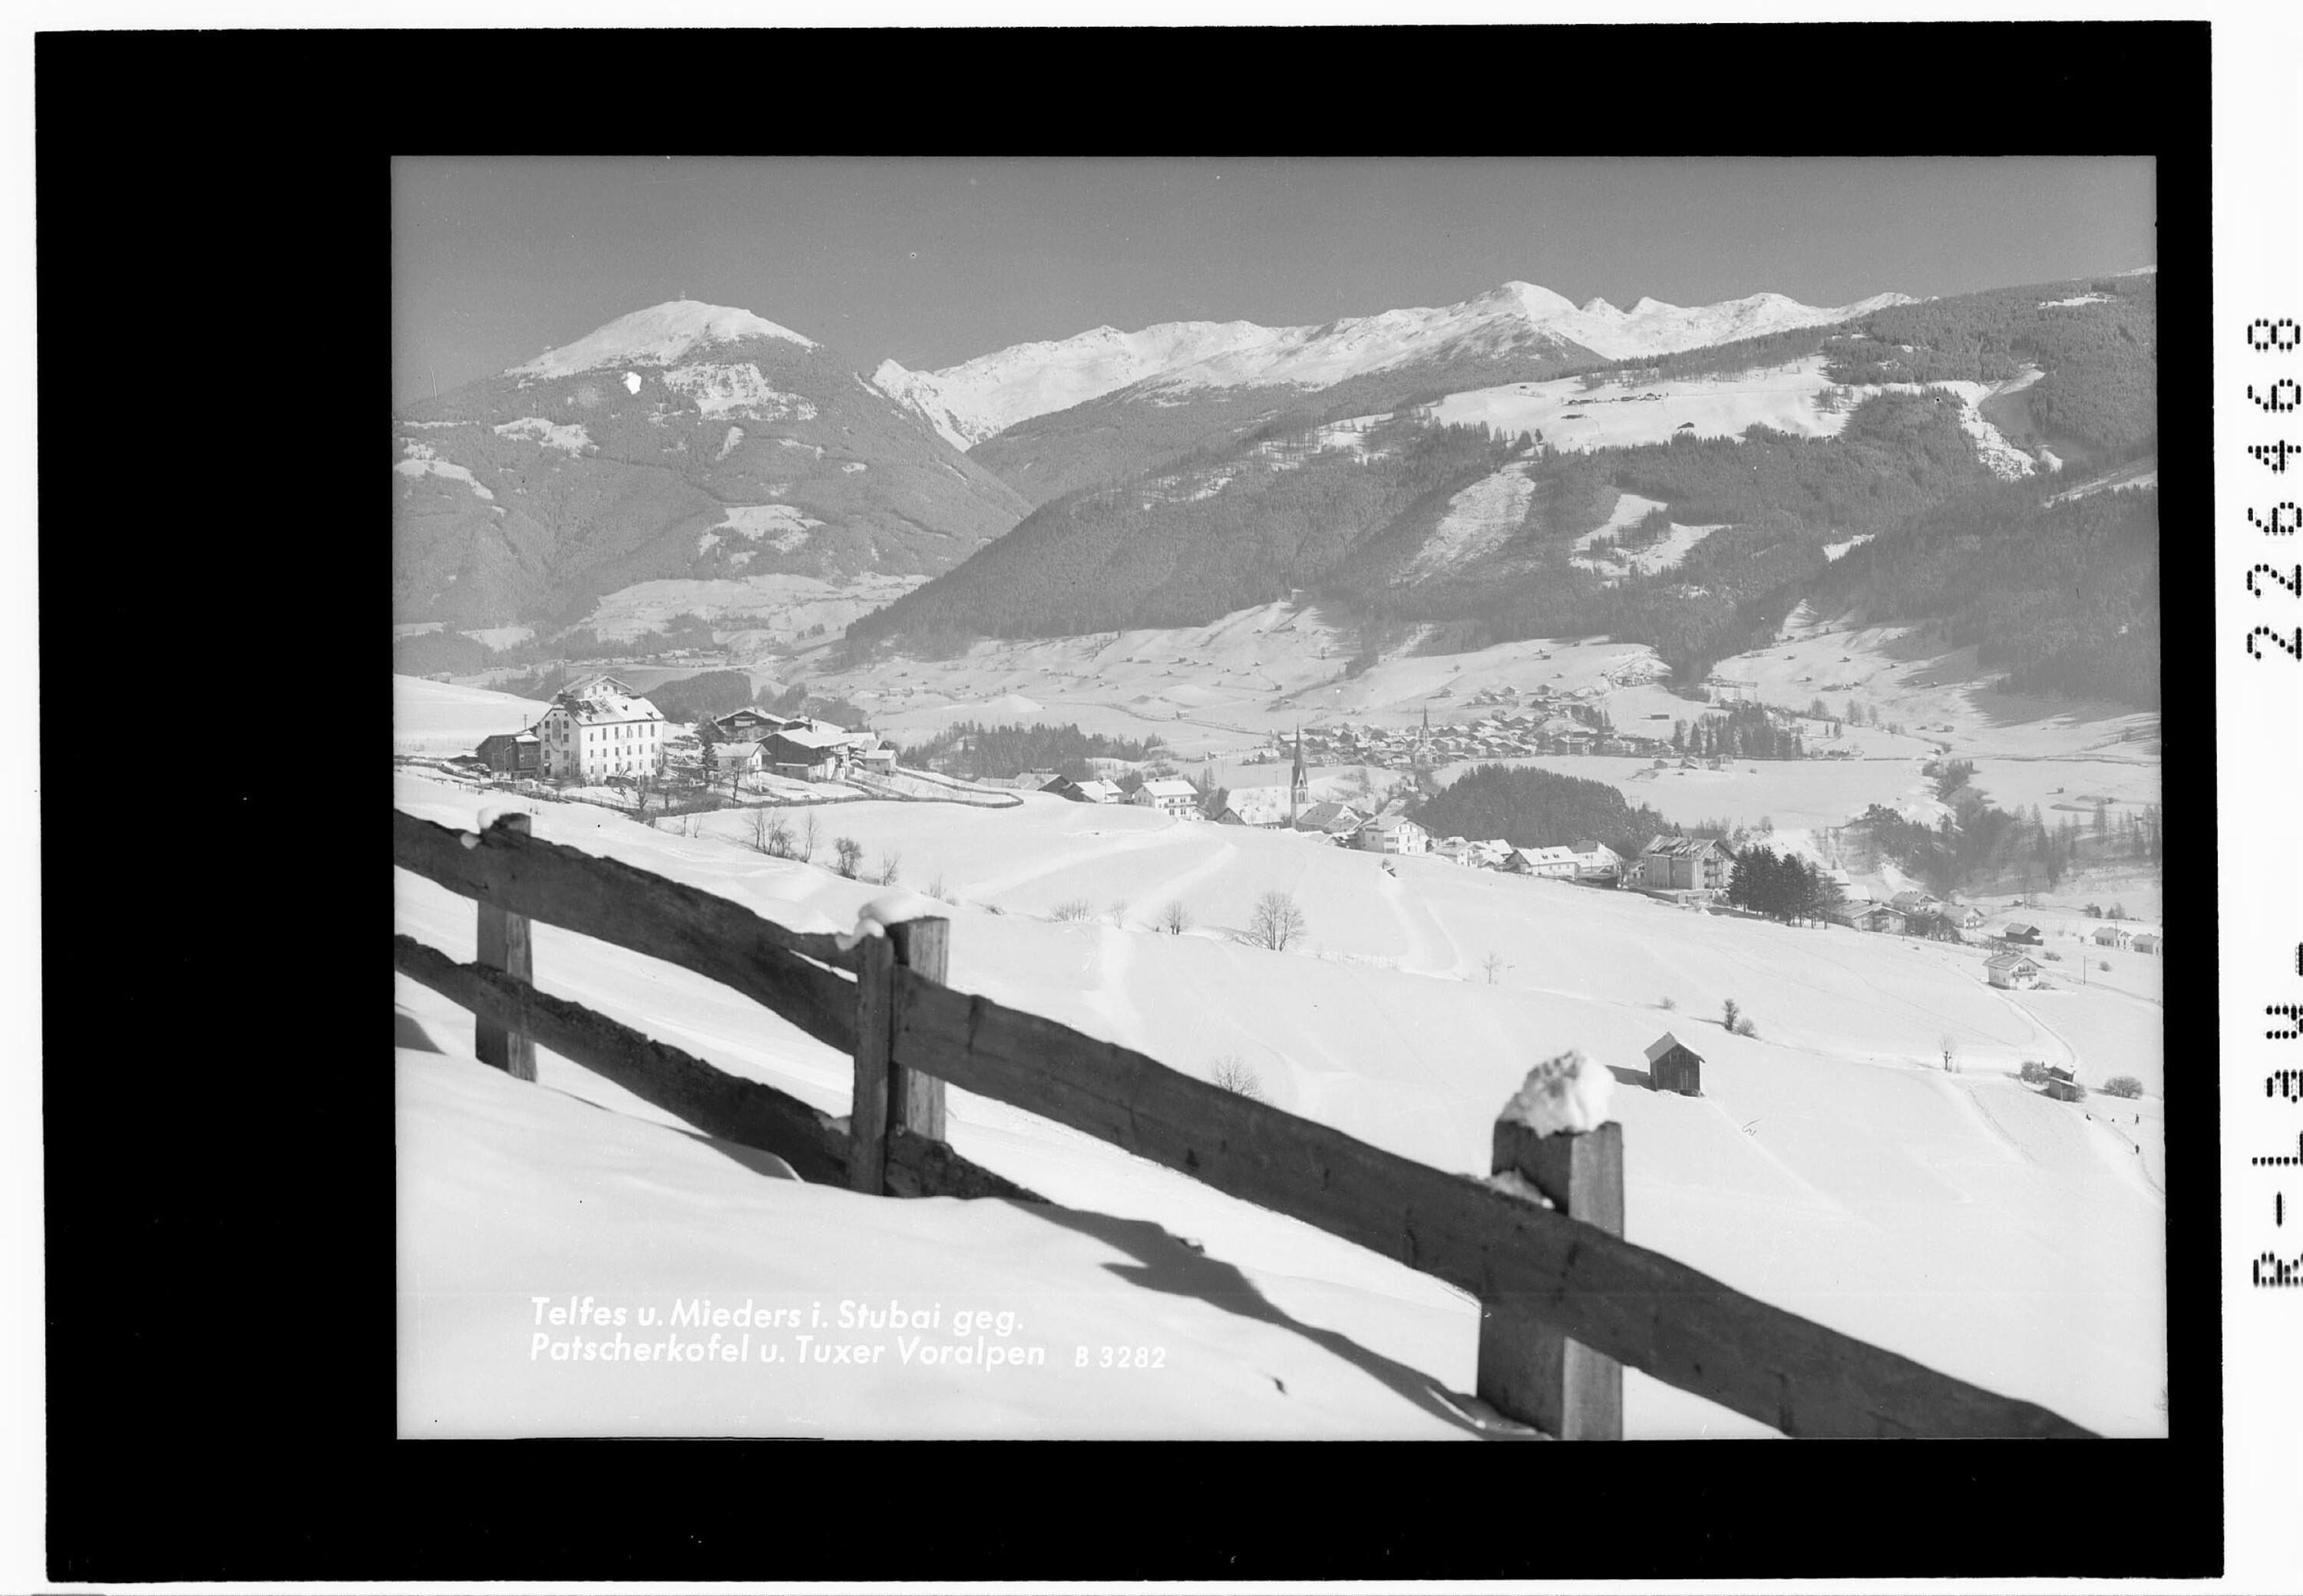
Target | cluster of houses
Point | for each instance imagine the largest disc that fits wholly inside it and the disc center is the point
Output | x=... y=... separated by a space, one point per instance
x=1542 y=728
x=1383 y=829
x=801 y=747
x=598 y=728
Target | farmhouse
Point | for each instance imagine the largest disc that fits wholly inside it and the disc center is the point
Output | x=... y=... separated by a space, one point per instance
x=1558 y=864
x=1084 y=792
x=1339 y=821
x=2114 y=936
x=1595 y=861
x=1674 y=1067
x=513 y=752
x=1169 y=795
x=599 y=727
x=1881 y=917
x=2149 y=942
x=2019 y=931
x=1490 y=855
x=810 y=754
x=1260 y=805
x=735 y=758
x=748 y=725
x=1393 y=833
x=2011 y=970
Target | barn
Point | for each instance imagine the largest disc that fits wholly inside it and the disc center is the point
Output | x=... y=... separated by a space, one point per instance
x=1673 y=1066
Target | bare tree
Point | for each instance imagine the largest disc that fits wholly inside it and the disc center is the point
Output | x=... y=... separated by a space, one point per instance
x=1175 y=919
x=890 y=862
x=1493 y=964
x=846 y=853
x=1074 y=908
x=1233 y=1074
x=1118 y=913
x=1949 y=1043
x=807 y=840
x=1276 y=922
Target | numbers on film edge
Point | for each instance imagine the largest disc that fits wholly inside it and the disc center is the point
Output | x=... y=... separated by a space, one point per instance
x=2282 y=335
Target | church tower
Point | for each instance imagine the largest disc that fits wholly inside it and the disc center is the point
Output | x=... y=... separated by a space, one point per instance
x=1299 y=785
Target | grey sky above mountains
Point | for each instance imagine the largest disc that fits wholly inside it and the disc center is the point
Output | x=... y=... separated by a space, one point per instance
x=932 y=261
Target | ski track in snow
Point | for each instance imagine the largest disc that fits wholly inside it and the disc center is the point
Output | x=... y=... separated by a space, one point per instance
x=1102 y=844
x=1109 y=999
x=1414 y=915
x=1176 y=886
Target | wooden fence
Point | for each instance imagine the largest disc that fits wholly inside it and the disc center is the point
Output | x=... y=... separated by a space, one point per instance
x=1565 y=1300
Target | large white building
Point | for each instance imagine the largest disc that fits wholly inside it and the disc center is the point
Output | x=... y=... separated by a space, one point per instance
x=1168 y=796
x=597 y=728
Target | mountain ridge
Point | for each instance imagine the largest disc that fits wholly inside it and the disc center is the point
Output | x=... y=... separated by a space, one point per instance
x=978 y=399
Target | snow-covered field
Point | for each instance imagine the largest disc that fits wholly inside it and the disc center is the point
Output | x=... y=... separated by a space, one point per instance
x=1832 y=1167
x=1796 y=398
x=1660 y=555
x=440 y=718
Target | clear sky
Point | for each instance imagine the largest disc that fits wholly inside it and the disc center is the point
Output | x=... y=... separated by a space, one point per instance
x=934 y=261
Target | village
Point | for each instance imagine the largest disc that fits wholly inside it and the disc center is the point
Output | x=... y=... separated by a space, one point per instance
x=601 y=741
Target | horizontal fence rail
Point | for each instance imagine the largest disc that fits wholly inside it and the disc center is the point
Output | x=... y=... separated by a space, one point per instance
x=719 y=1104
x=779 y=968
x=907 y=1033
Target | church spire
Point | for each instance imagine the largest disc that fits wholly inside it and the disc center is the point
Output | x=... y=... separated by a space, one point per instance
x=1299 y=786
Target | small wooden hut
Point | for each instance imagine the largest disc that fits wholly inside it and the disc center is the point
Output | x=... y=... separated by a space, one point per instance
x=1674 y=1067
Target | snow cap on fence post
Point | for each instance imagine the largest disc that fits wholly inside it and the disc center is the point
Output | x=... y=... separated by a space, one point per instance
x=889 y=908
x=1569 y=1092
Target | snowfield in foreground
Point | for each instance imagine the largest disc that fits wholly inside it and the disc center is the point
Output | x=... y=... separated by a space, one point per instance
x=1831 y=1166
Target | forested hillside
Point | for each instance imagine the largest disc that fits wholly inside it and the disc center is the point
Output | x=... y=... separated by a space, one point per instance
x=1540 y=809
x=1782 y=500
x=1162 y=552
x=2063 y=598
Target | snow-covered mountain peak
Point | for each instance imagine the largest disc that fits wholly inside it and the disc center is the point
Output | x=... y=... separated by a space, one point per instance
x=1596 y=305
x=1648 y=307
x=657 y=335
x=1539 y=303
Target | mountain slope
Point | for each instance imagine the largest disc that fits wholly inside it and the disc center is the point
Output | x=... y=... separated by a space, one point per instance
x=1182 y=384
x=1685 y=500
x=684 y=440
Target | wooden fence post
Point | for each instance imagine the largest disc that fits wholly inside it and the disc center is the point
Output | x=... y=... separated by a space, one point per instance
x=504 y=945
x=916 y=1101
x=876 y=1036
x=1528 y=1369
x=886 y=1093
